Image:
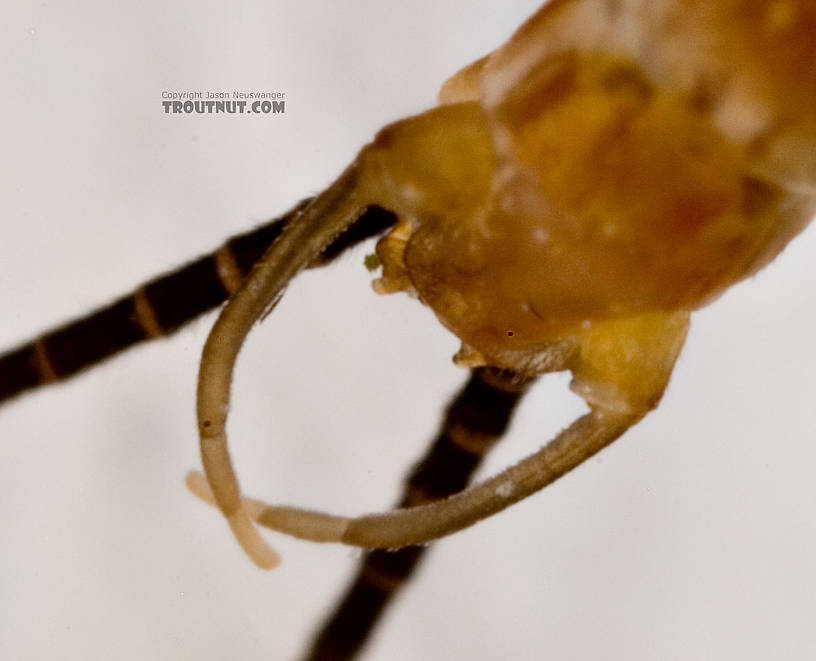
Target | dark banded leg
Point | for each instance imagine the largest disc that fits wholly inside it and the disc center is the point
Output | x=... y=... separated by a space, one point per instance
x=474 y=421
x=161 y=306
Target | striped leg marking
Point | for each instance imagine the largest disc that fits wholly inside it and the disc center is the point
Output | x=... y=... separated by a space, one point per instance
x=145 y=315
x=45 y=369
x=159 y=307
x=229 y=273
x=475 y=420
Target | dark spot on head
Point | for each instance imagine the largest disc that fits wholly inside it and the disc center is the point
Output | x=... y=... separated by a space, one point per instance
x=758 y=197
x=510 y=333
x=627 y=77
x=206 y=424
x=704 y=96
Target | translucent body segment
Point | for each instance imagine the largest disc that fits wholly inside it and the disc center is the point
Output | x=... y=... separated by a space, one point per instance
x=624 y=365
x=465 y=84
x=602 y=197
x=434 y=167
x=746 y=64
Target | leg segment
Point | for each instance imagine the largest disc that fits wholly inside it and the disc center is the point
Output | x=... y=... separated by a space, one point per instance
x=621 y=369
x=474 y=421
x=418 y=524
x=161 y=306
x=325 y=218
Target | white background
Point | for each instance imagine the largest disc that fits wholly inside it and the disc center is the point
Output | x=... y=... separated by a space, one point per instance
x=691 y=538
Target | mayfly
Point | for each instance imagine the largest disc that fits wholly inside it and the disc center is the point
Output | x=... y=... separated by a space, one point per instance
x=138 y=422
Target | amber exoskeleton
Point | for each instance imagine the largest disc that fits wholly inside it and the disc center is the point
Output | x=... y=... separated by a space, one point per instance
x=719 y=532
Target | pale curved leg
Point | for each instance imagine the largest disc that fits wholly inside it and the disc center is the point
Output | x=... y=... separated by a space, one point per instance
x=330 y=213
x=404 y=155
x=417 y=525
x=621 y=369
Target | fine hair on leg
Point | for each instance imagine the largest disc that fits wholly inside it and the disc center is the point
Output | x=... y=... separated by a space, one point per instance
x=424 y=523
x=303 y=239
